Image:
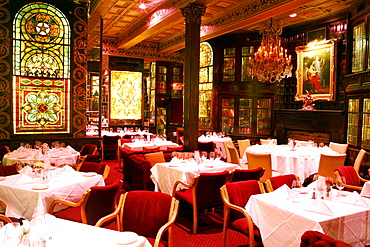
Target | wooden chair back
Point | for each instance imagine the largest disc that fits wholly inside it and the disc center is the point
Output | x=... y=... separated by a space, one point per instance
x=338 y=147
x=328 y=163
x=260 y=160
x=234 y=156
x=231 y=144
x=243 y=144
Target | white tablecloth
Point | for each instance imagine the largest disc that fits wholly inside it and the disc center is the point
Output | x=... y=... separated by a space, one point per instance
x=303 y=162
x=21 y=199
x=30 y=157
x=62 y=233
x=218 y=141
x=282 y=222
x=165 y=175
x=139 y=146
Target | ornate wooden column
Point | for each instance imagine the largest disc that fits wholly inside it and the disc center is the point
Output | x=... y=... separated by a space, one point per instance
x=192 y=14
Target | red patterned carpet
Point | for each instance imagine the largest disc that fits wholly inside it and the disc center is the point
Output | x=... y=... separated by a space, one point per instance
x=209 y=229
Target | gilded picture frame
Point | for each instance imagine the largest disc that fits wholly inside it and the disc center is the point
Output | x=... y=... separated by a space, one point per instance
x=315 y=70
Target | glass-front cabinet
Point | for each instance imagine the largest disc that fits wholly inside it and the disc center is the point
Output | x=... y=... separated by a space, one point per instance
x=365 y=140
x=352 y=122
x=246 y=116
x=228 y=116
x=358 y=122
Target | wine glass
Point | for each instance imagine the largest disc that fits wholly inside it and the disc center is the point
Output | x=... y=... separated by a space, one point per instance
x=339 y=183
x=212 y=156
x=296 y=186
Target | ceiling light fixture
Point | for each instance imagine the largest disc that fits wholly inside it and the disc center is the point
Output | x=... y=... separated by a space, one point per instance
x=271 y=61
x=293 y=15
x=142 y=6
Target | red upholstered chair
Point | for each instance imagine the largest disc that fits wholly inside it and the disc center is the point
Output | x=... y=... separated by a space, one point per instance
x=353 y=180
x=90 y=151
x=318 y=239
x=154 y=158
x=8 y=170
x=147 y=213
x=235 y=196
x=206 y=146
x=202 y=193
x=247 y=174
x=274 y=183
x=3 y=150
x=110 y=147
x=99 y=168
x=97 y=202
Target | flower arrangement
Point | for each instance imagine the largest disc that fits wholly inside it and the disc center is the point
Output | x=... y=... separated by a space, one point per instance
x=329 y=184
x=38 y=164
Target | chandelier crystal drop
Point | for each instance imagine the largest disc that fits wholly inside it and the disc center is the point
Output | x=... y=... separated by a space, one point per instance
x=271 y=61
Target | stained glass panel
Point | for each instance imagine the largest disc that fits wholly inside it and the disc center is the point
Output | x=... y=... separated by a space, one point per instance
x=126 y=95
x=205 y=85
x=41 y=69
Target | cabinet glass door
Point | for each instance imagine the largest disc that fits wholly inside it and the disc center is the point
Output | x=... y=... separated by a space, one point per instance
x=227 y=115
x=263 y=116
x=366 y=124
x=353 y=115
x=162 y=79
x=161 y=120
x=229 y=65
x=245 y=116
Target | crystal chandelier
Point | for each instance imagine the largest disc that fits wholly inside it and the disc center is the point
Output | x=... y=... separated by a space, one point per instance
x=271 y=61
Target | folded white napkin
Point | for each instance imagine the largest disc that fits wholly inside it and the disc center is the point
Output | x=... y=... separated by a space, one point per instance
x=11 y=234
x=65 y=152
x=356 y=199
x=23 y=179
x=67 y=169
x=70 y=149
x=175 y=160
x=319 y=206
x=21 y=149
x=284 y=191
x=26 y=170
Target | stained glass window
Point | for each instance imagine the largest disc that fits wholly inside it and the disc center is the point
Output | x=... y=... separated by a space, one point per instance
x=126 y=95
x=41 y=69
x=205 y=85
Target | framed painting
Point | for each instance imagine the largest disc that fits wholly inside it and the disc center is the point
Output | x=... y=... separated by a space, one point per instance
x=315 y=71
x=318 y=34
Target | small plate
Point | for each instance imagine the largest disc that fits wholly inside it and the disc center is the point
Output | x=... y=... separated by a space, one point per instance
x=173 y=165
x=2 y=178
x=55 y=157
x=22 y=157
x=90 y=174
x=40 y=187
x=208 y=166
x=74 y=152
x=127 y=238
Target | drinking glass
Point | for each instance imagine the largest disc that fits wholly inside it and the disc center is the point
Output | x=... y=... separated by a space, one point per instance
x=296 y=186
x=339 y=183
x=204 y=155
x=212 y=156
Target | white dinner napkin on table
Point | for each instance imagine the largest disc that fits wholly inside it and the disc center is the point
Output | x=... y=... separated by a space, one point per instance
x=70 y=149
x=26 y=170
x=23 y=179
x=284 y=192
x=38 y=155
x=355 y=199
x=319 y=206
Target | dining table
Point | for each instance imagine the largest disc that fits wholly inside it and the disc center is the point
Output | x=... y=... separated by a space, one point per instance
x=47 y=230
x=284 y=215
x=140 y=145
x=217 y=140
x=29 y=156
x=26 y=193
x=301 y=161
x=164 y=175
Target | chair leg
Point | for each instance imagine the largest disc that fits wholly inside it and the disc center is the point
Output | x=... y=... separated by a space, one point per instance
x=226 y=221
x=195 y=220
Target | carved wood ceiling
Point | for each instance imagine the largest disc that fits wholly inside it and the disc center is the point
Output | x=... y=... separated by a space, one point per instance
x=161 y=24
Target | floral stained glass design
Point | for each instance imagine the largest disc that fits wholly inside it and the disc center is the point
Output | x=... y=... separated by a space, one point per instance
x=205 y=85
x=126 y=95
x=41 y=66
